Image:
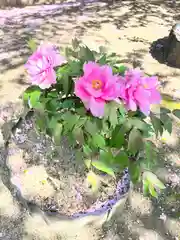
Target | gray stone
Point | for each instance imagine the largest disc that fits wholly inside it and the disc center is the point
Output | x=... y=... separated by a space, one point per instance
x=1 y=140
x=173 y=47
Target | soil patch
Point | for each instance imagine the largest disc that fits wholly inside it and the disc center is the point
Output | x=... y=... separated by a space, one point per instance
x=52 y=177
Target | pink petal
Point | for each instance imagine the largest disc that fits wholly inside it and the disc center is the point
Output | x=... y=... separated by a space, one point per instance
x=45 y=79
x=132 y=105
x=97 y=107
x=145 y=108
x=132 y=76
x=50 y=77
x=80 y=90
x=89 y=67
x=59 y=60
x=31 y=69
x=110 y=93
x=142 y=95
x=112 y=88
x=155 y=96
x=107 y=71
x=150 y=82
x=51 y=54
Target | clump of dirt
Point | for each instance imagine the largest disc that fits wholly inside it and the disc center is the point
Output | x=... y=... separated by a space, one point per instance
x=52 y=177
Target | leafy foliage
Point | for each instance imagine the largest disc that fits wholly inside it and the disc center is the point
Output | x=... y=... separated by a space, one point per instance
x=121 y=139
x=176 y=113
x=151 y=184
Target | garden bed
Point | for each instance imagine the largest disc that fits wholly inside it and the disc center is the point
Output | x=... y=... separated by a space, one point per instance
x=54 y=180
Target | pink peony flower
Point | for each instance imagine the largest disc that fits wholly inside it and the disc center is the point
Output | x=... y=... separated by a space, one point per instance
x=96 y=86
x=139 y=91
x=40 y=66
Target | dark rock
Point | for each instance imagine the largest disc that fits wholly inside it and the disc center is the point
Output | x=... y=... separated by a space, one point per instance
x=167 y=49
x=173 y=47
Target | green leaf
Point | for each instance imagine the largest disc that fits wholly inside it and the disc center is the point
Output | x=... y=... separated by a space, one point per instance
x=151 y=183
x=81 y=122
x=152 y=191
x=25 y=97
x=122 y=69
x=99 y=123
x=91 y=127
x=113 y=117
x=157 y=124
x=111 y=113
x=121 y=159
x=52 y=123
x=32 y=45
x=117 y=138
x=85 y=54
x=34 y=99
x=135 y=171
x=151 y=156
x=152 y=179
x=87 y=150
x=68 y=103
x=164 y=110
x=53 y=94
x=64 y=79
x=102 y=166
x=176 y=113
x=139 y=124
x=135 y=142
x=122 y=110
x=102 y=60
x=81 y=111
x=167 y=122
x=61 y=71
x=149 y=132
x=105 y=127
x=75 y=68
x=145 y=187
x=98 y=141
x=52 y=105
x=57 y=131
x=39 y=106
x=70 y=120
x=126 y=127
x=78 y=135
x=30 y=90
x=66 y=83
x=41 y=123
x=106 y=157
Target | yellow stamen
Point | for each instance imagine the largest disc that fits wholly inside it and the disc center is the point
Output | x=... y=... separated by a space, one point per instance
x=96 y=84
x=145 y=86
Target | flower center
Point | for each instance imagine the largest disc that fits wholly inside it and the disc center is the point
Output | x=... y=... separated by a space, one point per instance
x=96 y=84
x=145 y=86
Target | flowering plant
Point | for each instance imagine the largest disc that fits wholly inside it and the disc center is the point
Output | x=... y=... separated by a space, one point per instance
x=103 y=108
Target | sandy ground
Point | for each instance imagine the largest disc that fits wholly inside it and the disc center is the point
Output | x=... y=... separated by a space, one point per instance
x=128 y=28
